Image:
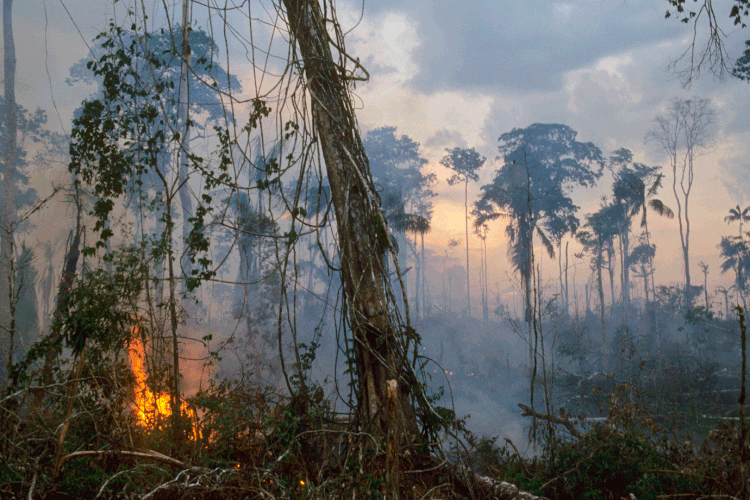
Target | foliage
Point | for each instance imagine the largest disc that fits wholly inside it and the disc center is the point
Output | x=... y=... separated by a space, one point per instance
x=404 y=189
x=124 y=137
x=532 y=189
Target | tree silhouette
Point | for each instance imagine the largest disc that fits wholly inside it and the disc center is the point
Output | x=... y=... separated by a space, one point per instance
x=396 y=166
x=736 y=255
x=465 y=163
x=738 y=215
x=541 y=164
x=634 y=189
x=596 y=236
x=683 y=133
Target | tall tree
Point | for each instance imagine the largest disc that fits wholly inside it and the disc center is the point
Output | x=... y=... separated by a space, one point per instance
x=738 y=215
x=633 y=189
x=641 y=259
x=380 y=350
x=598 y=232
x=404 y=189
x=27 y=315
x=7 y=217
x=704 y=269
x=683 y=133
x=541 y=164
x=465 y=163
x=481 y=232
x=736 y=251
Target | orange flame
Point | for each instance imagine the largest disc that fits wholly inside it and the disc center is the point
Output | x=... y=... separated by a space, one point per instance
x=150 y=407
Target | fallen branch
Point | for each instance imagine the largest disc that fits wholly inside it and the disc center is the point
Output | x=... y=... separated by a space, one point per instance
x=528 y=412
x=150 y=454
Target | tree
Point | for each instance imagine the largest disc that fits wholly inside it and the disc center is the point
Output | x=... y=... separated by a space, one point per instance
x=704 y=269
x=404 y=190
x=481 y=232
x=465 y=163
x=541 y=164
x=379 y=345
x=641 y=262
x=597 y=235
x=27 y=316
x=683 y=134
x=448 y=291
x=736 y=253
x=634 y=188
x=179 y=63
x=130 y=131
x=738 y=215
x=557 y=229
x=7 y=217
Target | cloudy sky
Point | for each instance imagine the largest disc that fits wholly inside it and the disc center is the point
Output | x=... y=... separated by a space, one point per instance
x=452 y=73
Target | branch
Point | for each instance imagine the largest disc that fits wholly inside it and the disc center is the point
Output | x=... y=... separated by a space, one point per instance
x=150 y=454
x=528 y=412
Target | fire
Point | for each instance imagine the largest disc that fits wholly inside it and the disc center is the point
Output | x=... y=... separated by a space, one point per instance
x=150 y=407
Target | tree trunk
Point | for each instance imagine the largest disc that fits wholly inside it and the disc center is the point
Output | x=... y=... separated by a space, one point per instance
x=567 y=296
x=466 y=216
x=625 y=270
x=63 y=297
x=380 y=355
x=7 y=218
x=184 y=119
x=600 y=285
x=422 y=284
x=417 y=282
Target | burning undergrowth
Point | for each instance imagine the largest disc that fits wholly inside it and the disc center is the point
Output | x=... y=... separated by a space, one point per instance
x=153 y=408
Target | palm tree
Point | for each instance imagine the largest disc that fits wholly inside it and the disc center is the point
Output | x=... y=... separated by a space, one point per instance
x=735 y=214
x=737 y=257
x=725 y=292
x=630 y=190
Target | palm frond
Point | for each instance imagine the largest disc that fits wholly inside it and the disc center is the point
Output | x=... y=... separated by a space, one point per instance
x=660 y=208
x=655 y=185
x=546 y=242
x=482 y=219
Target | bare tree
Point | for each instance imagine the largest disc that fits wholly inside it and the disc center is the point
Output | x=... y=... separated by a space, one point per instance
x=683 y=133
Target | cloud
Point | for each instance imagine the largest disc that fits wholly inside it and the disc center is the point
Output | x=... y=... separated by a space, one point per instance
x=523 y=46
x=445 y=138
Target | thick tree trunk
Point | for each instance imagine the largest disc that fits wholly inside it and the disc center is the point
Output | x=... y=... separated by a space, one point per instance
x=361 y=228
x=7 y=217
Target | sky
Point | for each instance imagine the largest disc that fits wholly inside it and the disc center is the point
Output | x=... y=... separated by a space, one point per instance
x=453 y=74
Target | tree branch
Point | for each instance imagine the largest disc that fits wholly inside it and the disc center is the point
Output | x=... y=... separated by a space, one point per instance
x=528 y=412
